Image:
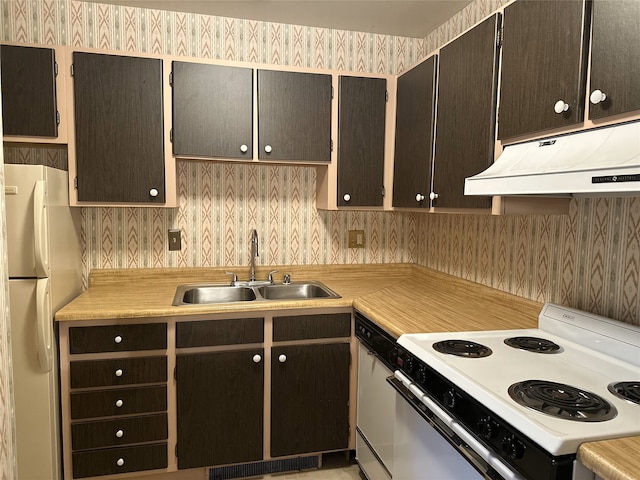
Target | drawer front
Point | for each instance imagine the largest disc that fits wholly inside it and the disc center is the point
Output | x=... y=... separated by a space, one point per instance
x=119 y=431
x=207 y=333
x=302 y=327
x=121 y=371
x=122 y=401
x=118 y=338
x=119 y=460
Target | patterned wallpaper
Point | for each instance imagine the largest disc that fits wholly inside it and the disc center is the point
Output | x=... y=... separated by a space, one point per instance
x=589 y=259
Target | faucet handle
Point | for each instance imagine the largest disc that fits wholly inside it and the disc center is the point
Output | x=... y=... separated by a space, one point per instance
x=271 y=275
x=287 y=279
x=234 y=279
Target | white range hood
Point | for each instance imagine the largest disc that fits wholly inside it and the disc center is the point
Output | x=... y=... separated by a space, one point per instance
x=602 y=161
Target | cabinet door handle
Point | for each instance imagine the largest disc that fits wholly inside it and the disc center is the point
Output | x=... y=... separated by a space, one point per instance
x=419 y=197
x=433 y=196
x=153 y=193
x=268 y=149
x=347 y=197
x=117 y=339
x=119 y=403
x=560 y=107
x=120 y=462
x=597 y=96
x=120 y=434
x=119 y=372
x=244 y=148
x=257 y=358
x=282 y=358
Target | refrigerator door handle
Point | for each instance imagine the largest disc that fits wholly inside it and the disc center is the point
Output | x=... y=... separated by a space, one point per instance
x=41 y=229
x=44 y=318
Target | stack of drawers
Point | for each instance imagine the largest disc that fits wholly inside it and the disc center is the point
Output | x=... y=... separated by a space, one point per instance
x=118 y=400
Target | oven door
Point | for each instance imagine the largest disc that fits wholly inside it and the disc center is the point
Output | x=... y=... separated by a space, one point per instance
x=428 y=443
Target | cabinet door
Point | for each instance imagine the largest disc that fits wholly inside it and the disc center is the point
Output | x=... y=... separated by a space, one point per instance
x=465 y=123
x=414 y=135
x=543 y=63
x=28 y=91
x=361 y=125
x=220 y=408
x=309 y=398
x=294 y=116
x=119 y=126
x=615 y=57
x=212 y=110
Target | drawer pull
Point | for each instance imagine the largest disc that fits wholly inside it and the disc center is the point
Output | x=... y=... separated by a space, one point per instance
x=120 y=434
x=118 y=339
x=119 y=372
x=119 y=403
x=120 y=462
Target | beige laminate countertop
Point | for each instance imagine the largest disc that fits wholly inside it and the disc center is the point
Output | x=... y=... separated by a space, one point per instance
x=401 y=298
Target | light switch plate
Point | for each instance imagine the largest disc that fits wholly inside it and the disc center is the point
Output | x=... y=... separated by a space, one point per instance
x=175 y=240
x=356 y=238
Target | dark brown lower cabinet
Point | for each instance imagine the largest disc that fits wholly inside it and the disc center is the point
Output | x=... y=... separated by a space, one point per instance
x=220 y=407
x=108 y=461
x=309 y=398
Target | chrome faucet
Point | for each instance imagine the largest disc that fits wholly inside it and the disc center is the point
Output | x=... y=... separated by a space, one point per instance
x=254 y=254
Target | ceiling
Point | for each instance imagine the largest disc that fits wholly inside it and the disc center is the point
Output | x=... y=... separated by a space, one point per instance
x=396 y=17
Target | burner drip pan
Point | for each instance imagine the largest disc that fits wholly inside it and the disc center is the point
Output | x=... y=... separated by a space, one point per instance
x=462 y=348
x=533 y=344
x=629 y=391
x=562 y=401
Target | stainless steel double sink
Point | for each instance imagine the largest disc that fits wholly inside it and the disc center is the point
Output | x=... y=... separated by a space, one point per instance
x=198 y=294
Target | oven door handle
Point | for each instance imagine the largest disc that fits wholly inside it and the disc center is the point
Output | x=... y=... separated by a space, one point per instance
x=486 y=455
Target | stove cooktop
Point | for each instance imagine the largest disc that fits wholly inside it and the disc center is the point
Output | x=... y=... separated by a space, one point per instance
x=488 y=379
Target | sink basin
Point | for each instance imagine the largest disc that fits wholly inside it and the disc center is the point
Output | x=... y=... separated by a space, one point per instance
x=198 y=294
x=296 y=291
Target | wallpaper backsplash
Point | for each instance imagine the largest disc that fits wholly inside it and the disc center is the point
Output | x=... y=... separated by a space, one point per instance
x=589 y=259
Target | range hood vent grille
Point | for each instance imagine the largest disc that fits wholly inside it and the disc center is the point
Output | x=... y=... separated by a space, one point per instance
x=601 y=161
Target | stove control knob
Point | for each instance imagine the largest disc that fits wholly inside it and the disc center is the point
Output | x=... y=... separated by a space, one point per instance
x=512 y=447
x=449 y=398
x=487 y=428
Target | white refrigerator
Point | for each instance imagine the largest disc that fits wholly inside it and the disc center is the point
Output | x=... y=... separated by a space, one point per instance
x=45 y=273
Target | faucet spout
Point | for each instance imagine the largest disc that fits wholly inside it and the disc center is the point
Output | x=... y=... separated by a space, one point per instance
x=254 y=254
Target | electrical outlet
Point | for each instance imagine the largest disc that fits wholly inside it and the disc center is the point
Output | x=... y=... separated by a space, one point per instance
x=356 y=238
x=175 y=241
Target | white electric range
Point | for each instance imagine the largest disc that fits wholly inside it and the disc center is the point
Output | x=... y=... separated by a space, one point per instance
x=524 y=400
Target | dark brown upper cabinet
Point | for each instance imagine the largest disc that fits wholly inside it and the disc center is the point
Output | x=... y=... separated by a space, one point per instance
x=615 y=58
x=119 y=128
x=294 y=116
x=29 y=91
x=361 y=131
x=212 y=111
x=543 y=68
x=220 y=402
x=465 y=122
x=309 y=398
x=414 y=135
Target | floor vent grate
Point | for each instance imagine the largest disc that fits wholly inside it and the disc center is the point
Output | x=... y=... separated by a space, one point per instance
x=263 y=468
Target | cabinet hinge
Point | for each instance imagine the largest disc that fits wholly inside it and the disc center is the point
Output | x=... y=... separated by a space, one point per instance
x=331 y=92
x=171 y=135
x=500 y=37
x=75 y=183
x=384 y=191
x=72 y=70
x=386 y=95
x=175 y=373
x=171 y=79
x=57 y=117
x=332 y=144
x=55 y=68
